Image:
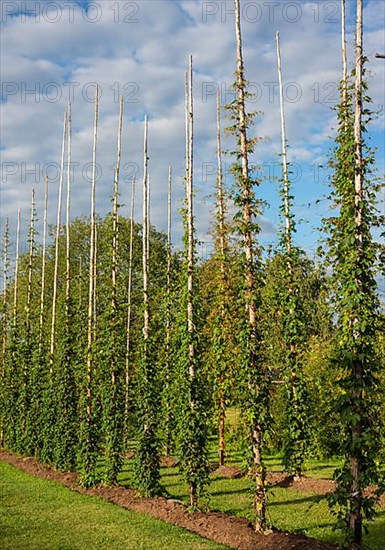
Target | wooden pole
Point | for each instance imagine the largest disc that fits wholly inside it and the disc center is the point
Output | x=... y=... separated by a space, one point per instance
x=30 y=268
x=5 y=288
x=343 y=44
x=94 y=305
x=5 y=317
x=169 y=194
x=220 y=193
x=222 y=290
x=250 y=282
x=168 y=312
x=146 y=319
x=15 y=288
x=190 y=247
x=115 y=212
x=68 y=207
x=356 y=499
x=148 y=217
x=344 y=62
x=56 y=265
x=129 y=307
x=190 y=219
x=358 y=123
x=43 y=264
x=187 y=126
x=92 y=271
x=286 y=182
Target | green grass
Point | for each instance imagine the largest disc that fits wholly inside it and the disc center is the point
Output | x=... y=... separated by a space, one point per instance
x=36 y=514
x=41 y=515
x=289 y=510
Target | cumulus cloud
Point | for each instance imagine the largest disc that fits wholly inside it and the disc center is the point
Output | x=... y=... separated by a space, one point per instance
x=54 y=51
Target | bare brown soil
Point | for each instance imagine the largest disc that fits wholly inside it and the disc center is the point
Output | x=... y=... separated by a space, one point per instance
x=303 y=484
x=230 y=472
x=311 y=485
x=168 y=462
x=222 y=528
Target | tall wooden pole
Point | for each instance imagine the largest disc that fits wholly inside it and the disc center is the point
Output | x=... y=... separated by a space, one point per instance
x=169 y=257
x=222 y=267
x=94 y=274
x=343 y=42
x=16 y=286
x=355 y=515
x=68 y=208
x=148 y=216
x=344 y=60
x=56 y=265
x=168 y=313
x=129 y=308
x=286 y=182
x=190 y=248
x=5 y=319
x=5 y=288
x=147 y=455
x=187 y=125
x=358 y=179
x=146 y=319
x=30 y=269
x=220 y=193
x=250 y=280
x=92 y=270
x=190 y=220
x=115 y=211
x=43 y=264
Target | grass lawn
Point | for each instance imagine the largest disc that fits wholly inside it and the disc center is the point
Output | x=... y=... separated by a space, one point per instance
x=36 y=514
x=41 y=515
x=288 y=509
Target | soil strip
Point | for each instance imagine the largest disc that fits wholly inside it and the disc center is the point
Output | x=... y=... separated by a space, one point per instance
x=225 y=529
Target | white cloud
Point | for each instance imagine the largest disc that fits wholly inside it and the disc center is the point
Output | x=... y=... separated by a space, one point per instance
x=150 y=57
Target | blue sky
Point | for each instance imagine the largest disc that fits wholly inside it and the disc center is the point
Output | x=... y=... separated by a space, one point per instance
x=54 y=51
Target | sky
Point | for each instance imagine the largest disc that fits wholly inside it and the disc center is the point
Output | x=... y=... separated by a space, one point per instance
x=53 y=52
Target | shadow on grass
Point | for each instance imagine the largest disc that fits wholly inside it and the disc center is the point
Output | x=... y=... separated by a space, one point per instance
x=229 y=492
x=168 y=474
x=322 y=467
x=310 y=499
x=375 y=531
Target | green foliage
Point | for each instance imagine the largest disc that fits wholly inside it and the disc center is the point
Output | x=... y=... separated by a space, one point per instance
x=66 y=396
x=295 y=310
x=193 y=410
x=147 y=460
x=353 y=257
x=193 y=414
